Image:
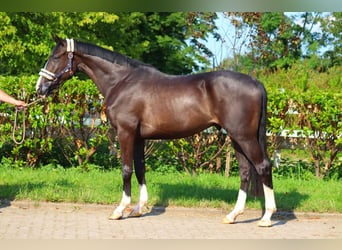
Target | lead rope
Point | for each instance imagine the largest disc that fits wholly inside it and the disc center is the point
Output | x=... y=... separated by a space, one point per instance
x=15 y=125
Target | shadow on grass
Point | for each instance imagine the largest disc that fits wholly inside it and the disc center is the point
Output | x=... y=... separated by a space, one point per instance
x=286 y=202
x=167 y=193
x=9 y=192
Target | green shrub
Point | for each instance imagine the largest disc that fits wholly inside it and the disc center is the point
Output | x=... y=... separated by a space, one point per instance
x=299 y=98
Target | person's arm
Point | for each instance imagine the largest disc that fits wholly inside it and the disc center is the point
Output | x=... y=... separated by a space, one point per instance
x=4 y=97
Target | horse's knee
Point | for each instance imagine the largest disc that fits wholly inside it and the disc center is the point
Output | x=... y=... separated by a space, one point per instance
x=264 y=168
x=265 y=171
x=127 y=172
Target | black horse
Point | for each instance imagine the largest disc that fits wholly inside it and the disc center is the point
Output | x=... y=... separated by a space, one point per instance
x=144 y=103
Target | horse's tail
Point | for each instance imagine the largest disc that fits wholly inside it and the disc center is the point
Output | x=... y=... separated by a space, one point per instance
x=256 y=185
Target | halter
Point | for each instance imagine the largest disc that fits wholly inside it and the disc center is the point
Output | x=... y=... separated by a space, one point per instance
x=52 y=76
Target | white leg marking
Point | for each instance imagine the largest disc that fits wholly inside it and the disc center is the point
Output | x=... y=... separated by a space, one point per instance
x=238 y=209
x=137 y=211
x=270 y=207
x=118 y=212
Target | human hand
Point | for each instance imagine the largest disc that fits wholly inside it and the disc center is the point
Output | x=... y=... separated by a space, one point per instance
x=20 y=104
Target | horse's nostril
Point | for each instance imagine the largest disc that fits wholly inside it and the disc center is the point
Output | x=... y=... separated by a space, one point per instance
x=39 y=90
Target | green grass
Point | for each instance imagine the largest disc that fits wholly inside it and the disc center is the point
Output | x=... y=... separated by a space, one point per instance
x=205 y=190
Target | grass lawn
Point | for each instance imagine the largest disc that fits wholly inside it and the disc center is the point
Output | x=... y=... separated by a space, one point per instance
x=205 y=190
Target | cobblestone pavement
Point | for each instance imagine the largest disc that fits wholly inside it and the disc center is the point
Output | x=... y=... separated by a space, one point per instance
x=40 y=220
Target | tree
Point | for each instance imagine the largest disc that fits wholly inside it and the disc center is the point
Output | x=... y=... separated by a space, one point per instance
x=235 y=35
x=277 y=40
x=274 y=41
x=331 y=27
x=173 y=42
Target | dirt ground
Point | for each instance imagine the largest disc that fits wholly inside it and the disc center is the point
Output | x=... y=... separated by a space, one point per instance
x=40 y=220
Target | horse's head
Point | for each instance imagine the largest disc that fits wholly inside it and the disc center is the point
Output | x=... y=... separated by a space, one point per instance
x=58 y=68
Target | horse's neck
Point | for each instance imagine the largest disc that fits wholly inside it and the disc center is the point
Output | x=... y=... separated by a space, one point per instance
x=103 y=73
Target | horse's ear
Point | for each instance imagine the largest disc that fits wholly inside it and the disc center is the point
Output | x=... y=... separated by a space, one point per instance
x=57 y=39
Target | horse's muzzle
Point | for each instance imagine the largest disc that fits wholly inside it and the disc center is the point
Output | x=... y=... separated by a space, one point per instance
x=45 y=89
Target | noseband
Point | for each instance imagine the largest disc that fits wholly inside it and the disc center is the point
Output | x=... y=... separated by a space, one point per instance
x=55 y=77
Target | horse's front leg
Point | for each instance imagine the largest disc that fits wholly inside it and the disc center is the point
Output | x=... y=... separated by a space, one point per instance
x=139 y=167
x=126 y=141
x=239 y=208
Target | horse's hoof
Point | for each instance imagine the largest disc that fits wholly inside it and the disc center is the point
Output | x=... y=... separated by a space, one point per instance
x=264 y=223
x=115 y=216
x=226 y=220
x=134 y=213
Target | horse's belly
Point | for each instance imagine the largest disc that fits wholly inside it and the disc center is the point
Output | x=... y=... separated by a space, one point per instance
x=172 y=130
x=176 y=118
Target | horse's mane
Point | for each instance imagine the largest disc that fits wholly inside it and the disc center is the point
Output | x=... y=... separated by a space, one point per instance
x=111 y=56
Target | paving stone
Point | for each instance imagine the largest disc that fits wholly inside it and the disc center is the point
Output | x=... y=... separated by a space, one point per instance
x=32 y=220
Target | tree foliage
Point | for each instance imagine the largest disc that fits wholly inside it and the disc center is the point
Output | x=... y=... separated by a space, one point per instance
x=271 y=40
x=173 y=42
x=332 y=26
x=70 y=128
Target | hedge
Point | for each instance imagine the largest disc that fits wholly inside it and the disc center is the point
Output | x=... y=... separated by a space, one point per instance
x=70 y=128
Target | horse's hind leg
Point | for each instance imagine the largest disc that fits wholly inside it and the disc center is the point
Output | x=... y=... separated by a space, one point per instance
x=253 y=152
x=139 y=167
x=270 y=205
x=244 y=167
